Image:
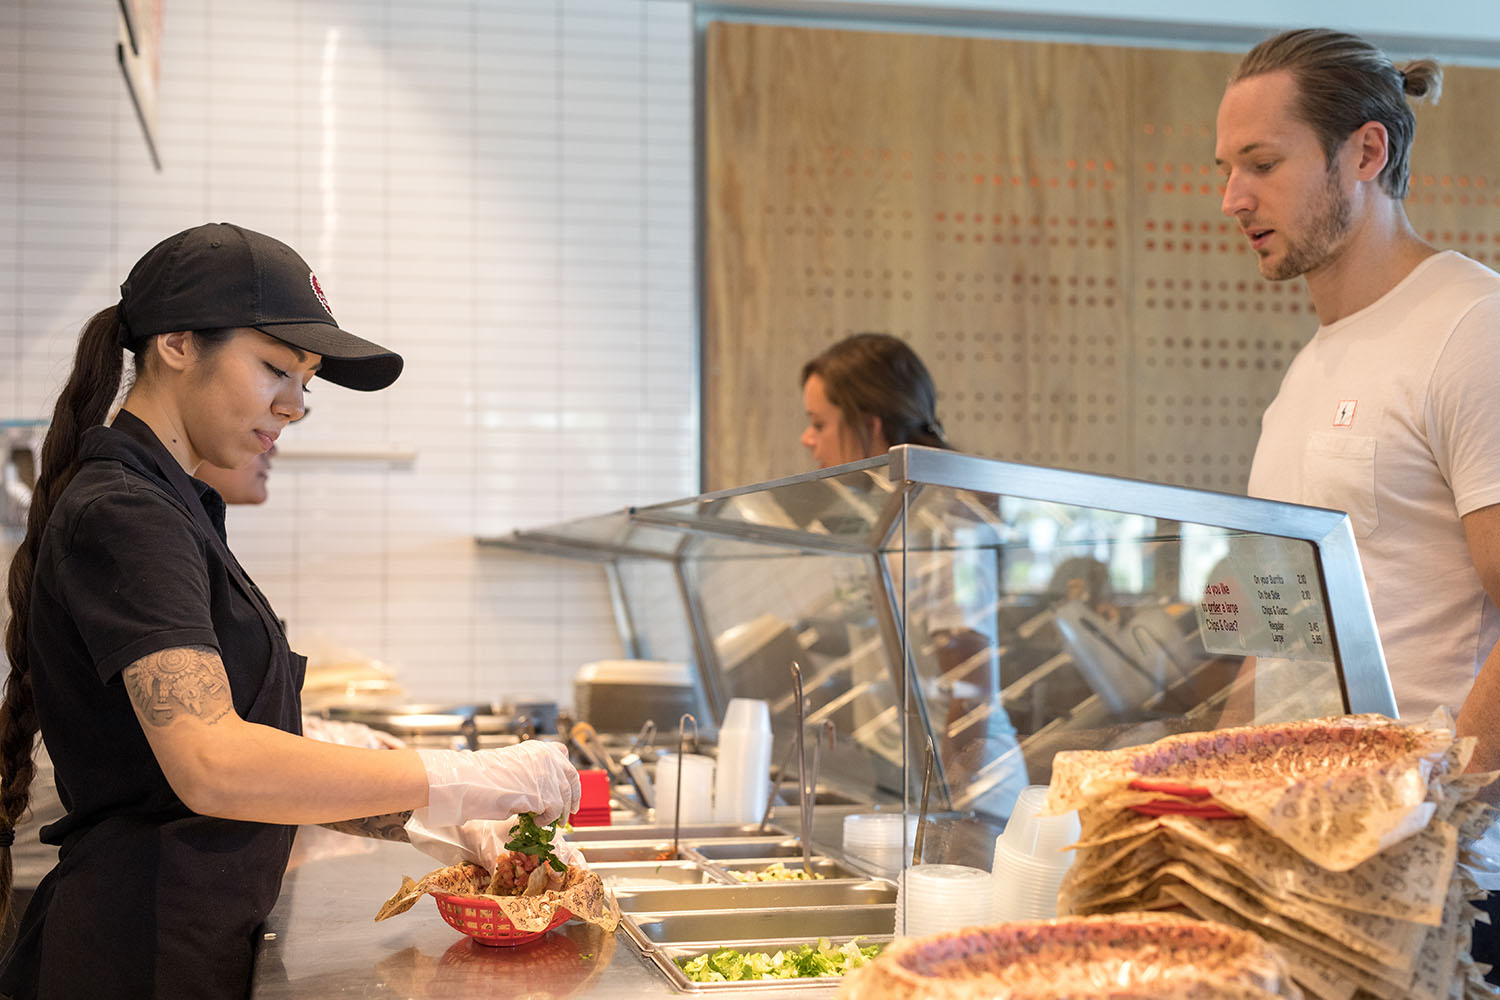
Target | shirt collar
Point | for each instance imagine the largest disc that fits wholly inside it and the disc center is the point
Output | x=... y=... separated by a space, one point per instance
x=130 y=441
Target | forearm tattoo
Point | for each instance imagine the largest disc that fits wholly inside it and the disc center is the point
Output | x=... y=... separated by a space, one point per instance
x=391 y=826
x=185 y=682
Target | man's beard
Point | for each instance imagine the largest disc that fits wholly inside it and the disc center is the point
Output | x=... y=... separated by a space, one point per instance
x=1325 y=232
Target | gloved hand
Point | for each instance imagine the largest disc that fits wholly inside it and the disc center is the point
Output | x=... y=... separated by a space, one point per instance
x=350 y=734
x=481 y=841
x=532 y=776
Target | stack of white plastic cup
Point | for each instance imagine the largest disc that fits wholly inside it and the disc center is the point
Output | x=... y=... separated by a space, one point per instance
x=697 y=788
x=931 y=899
x=1029 y=860
x=742 y=780
x=876 y=839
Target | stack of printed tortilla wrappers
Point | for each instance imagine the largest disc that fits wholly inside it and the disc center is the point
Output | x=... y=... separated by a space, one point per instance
x=1339 y=841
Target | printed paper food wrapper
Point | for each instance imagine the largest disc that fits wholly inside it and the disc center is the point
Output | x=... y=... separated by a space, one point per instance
x=1128 y=956
x=1337 y=790
x=1350 y=844
x=582 y=894
x=1408 y=882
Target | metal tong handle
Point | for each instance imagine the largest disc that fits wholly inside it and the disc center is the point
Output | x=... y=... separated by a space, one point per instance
x=810 y=795
x=916 y=844
x=804 y=796
x=633 y=764
x=681 y=740
x=828 y=727
x=586 y=738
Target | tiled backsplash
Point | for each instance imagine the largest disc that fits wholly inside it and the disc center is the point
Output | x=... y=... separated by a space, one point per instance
x=501 y=191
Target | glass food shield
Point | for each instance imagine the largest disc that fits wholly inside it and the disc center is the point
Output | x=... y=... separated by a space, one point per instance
x=783 y=576
x=997 y=612
x=1034 y=626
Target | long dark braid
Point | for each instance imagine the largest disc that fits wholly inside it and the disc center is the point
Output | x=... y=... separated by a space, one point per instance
x=84 y=403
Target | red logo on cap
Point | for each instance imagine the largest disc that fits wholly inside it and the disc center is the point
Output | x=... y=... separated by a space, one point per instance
x=312 y=279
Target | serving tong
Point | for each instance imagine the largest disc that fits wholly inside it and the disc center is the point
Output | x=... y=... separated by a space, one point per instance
x=677 y=807
x=807 y=784
x=810 y=791
x=628 y=769
x=927 y=768
x=633 y=763
x=586 y=738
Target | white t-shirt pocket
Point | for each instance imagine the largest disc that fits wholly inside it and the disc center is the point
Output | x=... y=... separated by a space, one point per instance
x=1338 y=471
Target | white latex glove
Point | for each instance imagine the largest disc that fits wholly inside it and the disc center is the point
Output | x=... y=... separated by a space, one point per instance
x=532 y=776
x=350 y=734
x=480 y=841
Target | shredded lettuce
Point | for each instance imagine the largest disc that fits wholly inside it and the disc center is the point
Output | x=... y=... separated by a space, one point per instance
x=776 y=872
x=822 y=959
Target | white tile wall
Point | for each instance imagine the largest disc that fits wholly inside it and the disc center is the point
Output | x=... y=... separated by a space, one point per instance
x=499 y=189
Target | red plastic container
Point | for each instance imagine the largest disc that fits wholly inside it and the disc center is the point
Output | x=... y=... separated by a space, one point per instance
x=483 y=921
x=593 y=808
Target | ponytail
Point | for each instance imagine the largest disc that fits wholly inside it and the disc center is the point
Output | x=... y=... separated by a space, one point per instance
x=1422 y=80
x=85 y=402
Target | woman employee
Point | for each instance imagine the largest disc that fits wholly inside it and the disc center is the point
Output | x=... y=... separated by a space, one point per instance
x=155 y=669
x=863 y=396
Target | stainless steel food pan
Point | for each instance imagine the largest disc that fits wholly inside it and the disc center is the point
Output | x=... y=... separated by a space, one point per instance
x=653 y=849
x=666 y=958
x=708 y=927
x=769 y=848
x=826 y=868
x=641 y=874
x=762 y=895
x=620 y=850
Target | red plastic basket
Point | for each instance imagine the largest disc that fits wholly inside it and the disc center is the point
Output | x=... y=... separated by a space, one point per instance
x=483 y=921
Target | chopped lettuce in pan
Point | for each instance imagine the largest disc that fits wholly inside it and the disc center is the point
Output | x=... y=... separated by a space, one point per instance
x=823 y=959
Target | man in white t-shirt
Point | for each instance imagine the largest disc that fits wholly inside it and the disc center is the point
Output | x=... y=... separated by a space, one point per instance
x=1392 y=411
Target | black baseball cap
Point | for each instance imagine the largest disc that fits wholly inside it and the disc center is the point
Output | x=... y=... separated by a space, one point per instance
x=220 y=275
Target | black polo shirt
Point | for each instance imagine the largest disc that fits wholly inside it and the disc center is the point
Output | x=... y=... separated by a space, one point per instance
x=147 y=896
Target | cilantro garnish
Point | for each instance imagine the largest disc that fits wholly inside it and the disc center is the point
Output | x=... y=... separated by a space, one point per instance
x=528 y=838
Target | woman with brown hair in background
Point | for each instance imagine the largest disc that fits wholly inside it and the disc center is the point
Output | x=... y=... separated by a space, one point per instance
x=157 y=672
x=865 y=395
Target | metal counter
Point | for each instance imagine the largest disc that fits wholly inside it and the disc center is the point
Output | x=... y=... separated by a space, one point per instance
x=322 y=940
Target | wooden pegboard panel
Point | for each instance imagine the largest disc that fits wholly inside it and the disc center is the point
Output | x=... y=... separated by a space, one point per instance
x=1040 y=221
x=1210 y=339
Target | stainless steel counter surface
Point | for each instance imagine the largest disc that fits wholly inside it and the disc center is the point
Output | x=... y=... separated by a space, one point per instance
x=322 y=941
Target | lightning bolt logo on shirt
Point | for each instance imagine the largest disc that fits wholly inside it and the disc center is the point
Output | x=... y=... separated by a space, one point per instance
x=1343 y=416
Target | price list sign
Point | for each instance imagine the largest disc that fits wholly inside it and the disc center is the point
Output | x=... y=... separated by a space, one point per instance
x=1263 y=599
